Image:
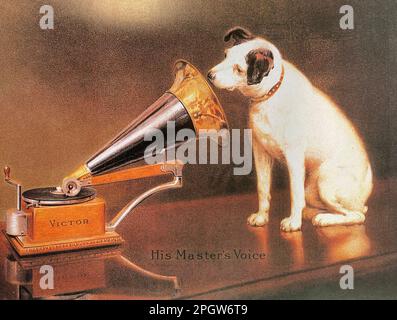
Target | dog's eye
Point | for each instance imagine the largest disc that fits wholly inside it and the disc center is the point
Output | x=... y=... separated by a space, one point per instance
x=238 y=69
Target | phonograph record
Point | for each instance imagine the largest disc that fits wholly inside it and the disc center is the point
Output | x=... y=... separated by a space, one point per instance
x=71 y=216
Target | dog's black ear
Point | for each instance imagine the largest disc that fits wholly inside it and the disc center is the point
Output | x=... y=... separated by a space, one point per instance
x=260 y=62
x=239 y=35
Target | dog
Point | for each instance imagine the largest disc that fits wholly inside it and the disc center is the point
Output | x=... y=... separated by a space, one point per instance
x=292 y=121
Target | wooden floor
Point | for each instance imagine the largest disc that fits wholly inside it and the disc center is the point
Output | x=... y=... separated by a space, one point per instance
x=204 y=249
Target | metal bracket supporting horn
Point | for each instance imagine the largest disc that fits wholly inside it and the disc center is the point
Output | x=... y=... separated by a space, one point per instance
x=174 y=168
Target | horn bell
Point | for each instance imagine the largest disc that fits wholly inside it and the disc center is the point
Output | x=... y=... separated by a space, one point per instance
x=200 y=101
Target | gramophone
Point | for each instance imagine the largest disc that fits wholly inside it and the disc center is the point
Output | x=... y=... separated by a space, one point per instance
x=71 y=216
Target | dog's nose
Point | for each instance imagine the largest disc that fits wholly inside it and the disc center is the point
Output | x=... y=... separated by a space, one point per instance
x=211 y=76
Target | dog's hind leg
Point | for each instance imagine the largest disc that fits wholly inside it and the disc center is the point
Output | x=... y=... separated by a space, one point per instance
x=314 y=205
x=343 y=196
x=331 y=219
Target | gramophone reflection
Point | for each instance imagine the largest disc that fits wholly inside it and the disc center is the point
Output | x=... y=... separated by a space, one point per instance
x=72 y=217
x=79 y=275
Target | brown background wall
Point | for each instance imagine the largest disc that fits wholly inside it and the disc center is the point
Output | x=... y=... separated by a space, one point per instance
x=65 y=92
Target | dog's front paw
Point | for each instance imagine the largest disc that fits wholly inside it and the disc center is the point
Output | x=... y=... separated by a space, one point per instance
x=258 y=219
x=288 y=224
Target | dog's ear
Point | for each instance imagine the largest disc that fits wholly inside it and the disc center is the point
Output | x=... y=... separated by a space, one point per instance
x=260 y=62
x=238 y=34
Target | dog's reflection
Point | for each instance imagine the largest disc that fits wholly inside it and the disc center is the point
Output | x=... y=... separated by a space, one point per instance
x=344 y=242
x=295 y=241
x=335 y=244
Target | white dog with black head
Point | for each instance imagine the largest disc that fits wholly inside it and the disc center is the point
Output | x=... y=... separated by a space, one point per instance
x=293 y=121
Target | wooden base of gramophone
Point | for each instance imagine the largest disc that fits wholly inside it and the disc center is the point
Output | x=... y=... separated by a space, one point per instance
x=25 y=247
x=64 y=228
